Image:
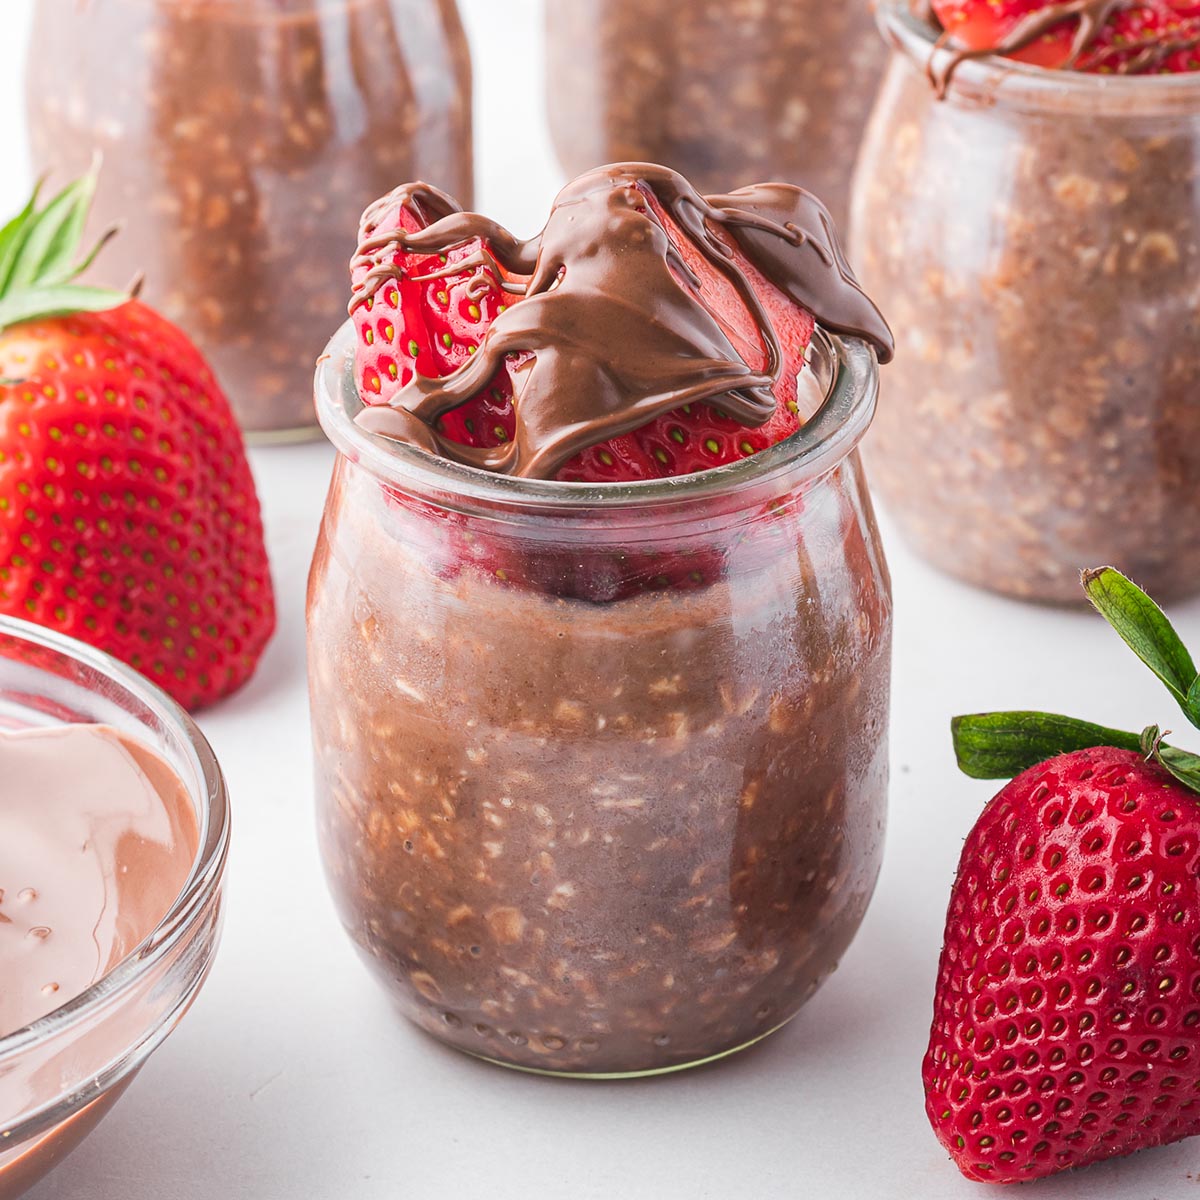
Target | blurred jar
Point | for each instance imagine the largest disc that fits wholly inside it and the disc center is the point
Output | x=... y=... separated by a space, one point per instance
x=241 y=140
x=1035 y=239
x=728 y=92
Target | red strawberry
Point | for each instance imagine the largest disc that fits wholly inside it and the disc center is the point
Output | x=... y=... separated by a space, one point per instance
x=696 y=437
x=428 y=317
x=1067 y=1014
x=128 y=516
x=427 y=313
x=1126 y=43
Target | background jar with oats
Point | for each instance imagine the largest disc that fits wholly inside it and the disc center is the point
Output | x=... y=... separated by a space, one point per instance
x=1035 y=237
x=724 y=91
x=240 y=140
x=602 y=769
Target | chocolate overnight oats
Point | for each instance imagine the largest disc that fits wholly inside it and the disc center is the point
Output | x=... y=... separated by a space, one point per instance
x=740 y=89
x=600 y=740
x=240 y=141
x=1041 y=267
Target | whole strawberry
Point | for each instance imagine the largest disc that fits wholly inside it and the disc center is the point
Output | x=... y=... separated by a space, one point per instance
x=1067 y=1014
x=128 y=516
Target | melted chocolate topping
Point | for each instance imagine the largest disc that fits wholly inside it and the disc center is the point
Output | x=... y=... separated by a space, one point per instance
x=611 y=331
x=1093 y=15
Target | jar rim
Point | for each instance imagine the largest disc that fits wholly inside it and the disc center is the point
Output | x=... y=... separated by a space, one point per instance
x=828 y=437
x=997 y=80
x=209 y=794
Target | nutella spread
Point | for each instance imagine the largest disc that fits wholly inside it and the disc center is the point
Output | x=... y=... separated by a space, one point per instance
x=97 y=836
x=616 y=334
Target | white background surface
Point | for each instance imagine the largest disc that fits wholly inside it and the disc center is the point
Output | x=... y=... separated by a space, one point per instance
x=291 y=1080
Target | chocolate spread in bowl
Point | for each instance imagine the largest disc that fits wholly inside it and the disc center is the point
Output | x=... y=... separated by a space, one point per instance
x=97 y=838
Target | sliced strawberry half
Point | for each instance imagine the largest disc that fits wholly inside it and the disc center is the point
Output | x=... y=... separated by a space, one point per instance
x=1127 y=43
x=430 y=319
x=696 y=437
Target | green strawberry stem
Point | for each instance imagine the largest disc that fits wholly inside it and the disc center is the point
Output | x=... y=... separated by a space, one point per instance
x=40 y=258
x=1003 y=744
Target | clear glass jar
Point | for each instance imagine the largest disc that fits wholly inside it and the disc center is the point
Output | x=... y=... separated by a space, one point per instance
x=241 y=141
x=61 y=1075
x=728 y=92
x=1035 y=241
x=601 y=770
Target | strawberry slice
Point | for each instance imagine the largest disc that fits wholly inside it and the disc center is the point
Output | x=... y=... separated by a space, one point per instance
x=696 y=437
x=429 y=317
x=1160 y=36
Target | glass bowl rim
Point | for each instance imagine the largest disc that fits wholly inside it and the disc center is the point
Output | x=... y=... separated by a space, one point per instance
x=208 y=865
x=831 y=434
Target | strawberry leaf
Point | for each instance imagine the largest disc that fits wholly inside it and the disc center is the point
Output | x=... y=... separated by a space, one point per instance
x=59 y=301
x=1145 y=629
x=1193 y=702
x=1184 y=765
x=1001 y=745
x=12 y=236
x=39 y=259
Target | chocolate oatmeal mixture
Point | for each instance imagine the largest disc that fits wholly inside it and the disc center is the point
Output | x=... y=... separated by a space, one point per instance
x=600 y=838
x=241 y=141
x=1038 y=253
x=725 y=92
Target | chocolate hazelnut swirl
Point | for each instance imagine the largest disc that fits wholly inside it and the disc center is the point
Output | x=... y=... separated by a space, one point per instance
x=611 y=329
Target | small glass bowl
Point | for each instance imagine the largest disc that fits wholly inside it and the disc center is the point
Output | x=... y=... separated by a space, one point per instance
x=61 y=1075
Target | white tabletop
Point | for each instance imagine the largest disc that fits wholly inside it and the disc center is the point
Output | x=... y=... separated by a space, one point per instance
x=291 y=1079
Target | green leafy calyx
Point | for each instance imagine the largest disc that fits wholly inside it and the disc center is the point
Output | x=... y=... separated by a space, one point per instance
x=40 y=259
x=1002 y=745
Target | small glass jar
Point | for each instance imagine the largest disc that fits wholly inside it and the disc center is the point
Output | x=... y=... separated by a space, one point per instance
x=1035 y=240
x=728 y=92
x=240 y=142
x=60 y=1075
x=601 y=770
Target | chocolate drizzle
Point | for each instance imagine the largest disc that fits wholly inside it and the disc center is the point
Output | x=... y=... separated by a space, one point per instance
x=1093 y=16
x=611 y=331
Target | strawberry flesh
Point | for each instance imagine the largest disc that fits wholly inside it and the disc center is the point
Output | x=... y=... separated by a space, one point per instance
x=981 y=25
x=432 y=318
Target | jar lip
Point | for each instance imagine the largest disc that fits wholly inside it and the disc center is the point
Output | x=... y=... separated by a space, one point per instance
x=826 y=439
x=208 y=792
x=995 y=78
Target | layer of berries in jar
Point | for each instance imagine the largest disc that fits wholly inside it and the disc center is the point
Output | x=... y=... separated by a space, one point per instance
x=239 y=141
x=599 y=623
x=1033 y=229
x=718 y=89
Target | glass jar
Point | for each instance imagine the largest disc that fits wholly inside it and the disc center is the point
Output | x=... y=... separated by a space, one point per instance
x=60 y=1075
x=1035 y=240
x=601 y=770
x=240 y=142
x=728 y=92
